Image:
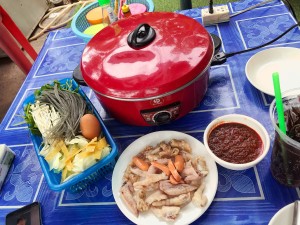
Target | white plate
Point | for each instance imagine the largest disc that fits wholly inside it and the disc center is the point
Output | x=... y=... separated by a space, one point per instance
x=284 y=60
x=284 y=216
x=189 y=213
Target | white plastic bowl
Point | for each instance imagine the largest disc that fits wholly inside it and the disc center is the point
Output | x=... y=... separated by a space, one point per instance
x=248 y=121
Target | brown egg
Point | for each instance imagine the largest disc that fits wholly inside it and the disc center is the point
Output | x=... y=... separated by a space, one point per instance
x=90 y=126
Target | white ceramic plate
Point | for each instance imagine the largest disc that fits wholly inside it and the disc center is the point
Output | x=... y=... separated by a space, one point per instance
x=284 y=60
x=284 y=216
x=189 y=213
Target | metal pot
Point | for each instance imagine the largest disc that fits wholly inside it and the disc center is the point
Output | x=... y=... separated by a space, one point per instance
x=149 y=69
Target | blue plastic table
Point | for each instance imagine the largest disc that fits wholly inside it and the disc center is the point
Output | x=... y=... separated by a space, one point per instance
x=243 y=197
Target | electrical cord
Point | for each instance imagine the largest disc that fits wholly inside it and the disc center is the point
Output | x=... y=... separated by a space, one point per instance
x=210 y=6
x=221 y=57
x=263 y=45
x=252 y=7
x=286 y=2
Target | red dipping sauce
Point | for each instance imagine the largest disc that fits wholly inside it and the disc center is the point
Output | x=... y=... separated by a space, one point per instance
x=235 y=143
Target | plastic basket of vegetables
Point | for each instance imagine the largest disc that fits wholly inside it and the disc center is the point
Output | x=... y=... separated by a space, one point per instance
x=71 y=141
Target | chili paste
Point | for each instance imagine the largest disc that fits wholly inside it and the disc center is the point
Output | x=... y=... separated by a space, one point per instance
x=235 y=143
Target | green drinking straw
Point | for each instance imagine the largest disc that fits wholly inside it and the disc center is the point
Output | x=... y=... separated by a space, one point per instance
x=278 y=99
x=103 y=2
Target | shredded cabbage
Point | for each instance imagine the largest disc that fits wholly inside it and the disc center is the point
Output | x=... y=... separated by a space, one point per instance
x=74 y=156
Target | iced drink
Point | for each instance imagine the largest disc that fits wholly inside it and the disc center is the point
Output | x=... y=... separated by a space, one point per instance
x=285 y=159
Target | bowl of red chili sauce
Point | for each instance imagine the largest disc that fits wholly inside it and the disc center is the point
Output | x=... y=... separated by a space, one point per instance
x=236 y=141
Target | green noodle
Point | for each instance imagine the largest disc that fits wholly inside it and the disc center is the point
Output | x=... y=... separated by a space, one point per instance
x=71 y=107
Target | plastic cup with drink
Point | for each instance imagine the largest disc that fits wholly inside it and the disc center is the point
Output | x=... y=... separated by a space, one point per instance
x=285 y=117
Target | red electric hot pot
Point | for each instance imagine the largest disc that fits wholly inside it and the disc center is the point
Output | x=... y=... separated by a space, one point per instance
x=149 y=69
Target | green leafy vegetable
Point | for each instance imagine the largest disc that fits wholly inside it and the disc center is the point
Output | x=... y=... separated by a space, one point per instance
x=64 y=87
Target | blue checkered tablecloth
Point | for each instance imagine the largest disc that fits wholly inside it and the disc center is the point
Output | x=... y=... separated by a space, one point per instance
x=243 y=197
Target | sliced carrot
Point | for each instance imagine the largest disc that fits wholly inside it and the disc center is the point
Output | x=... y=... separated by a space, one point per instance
x=174 y=171
x=162 y=167
x=179 y=163
x=140 y=163
x=173 y=181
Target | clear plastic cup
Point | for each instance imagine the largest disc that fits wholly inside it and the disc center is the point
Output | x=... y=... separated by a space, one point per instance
x=285 y=159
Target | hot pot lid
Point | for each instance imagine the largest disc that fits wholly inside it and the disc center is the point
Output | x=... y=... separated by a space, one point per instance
x=169 y=53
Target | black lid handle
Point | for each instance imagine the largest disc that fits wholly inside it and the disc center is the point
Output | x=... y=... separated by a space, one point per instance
x=142 y=36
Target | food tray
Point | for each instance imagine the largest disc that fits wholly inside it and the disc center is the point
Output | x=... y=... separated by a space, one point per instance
x=90 y=175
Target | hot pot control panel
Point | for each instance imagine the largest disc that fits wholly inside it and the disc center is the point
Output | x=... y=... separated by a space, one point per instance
x=161 y=115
